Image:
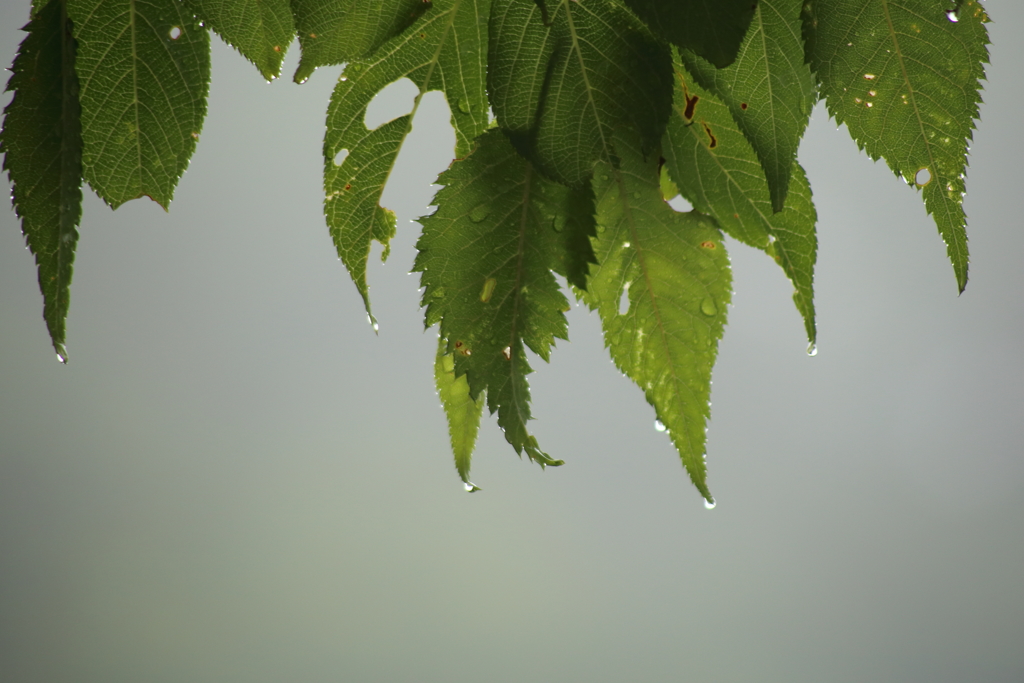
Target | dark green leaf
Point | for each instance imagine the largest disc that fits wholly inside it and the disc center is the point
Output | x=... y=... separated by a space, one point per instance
x=261 y=30
x=570 y=215
x=713 y=29
x=444 y=50
x=674 y=270
x=560 y=88
x=144 y=68
x=42 y=145
x=769 y=90
x=336 y=31
x=462 y=411
x=904 y=78
x=716 y=169
x=487 y=278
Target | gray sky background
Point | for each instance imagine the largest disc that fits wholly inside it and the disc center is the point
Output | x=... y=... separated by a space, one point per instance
x=235 y=480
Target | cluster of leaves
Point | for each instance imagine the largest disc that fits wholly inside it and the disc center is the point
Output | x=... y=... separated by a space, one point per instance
x=575 y=121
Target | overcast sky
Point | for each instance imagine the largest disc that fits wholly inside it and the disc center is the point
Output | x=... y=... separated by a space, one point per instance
x=235 y=480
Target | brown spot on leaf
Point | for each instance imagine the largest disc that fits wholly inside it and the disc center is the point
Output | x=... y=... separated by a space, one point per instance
x=708 y=244
x=712 y=140
x=691 y=104
x=348 y=186
x=743 y=106
x=277 y=48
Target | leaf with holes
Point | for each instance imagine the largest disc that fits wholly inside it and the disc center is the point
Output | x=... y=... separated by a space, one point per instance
x=487 y=278
x=675 y=271
x=563 y=80
x=336 y=31
x=769 y=90
x=261 y=30
x=41 y=142
x=713 y=29
x=444 y=50
x=903 y=75
x=144 y=71
x=461 y=409
x=715 y=168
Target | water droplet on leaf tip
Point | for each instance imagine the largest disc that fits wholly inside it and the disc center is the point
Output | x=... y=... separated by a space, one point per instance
x=709 y=504
x=470 y=487
x=812 y=349
x=659 y=426
x=62 y=359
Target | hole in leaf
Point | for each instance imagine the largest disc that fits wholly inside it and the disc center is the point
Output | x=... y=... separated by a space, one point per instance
x=396 y=99
x=175 y=32
x=624 y=300
x=923 y=177
x=340 y=157
x=680 y=204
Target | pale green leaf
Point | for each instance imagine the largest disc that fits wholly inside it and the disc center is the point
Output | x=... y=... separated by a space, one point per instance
x=487 y=278
x=444 y=50
x=675 y=272
x=769 y=89
x=144 y=69
x=42 y=146
x=261 y=30
x=336 y=31
x=716 y=169
x=462 y=411
x=563 y=80
x=713 y=29
x=904 y=78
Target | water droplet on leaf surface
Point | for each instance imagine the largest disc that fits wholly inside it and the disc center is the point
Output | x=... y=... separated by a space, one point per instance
x=479 y=213
x=488 y=290
x=558 y=223
x=464 y=106
x=708 y=307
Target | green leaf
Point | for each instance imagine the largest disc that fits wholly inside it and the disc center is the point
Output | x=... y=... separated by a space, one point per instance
x=487 y=278
x=144 y=69
x=462 y=411
x=769 y=90
x=261 y=30
x=336 y=31
x=904 y=78
x=675 y=272
x=713 y=29
x=561 y=85
x=41 y=142
x=715 y=168
x=444 y=50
